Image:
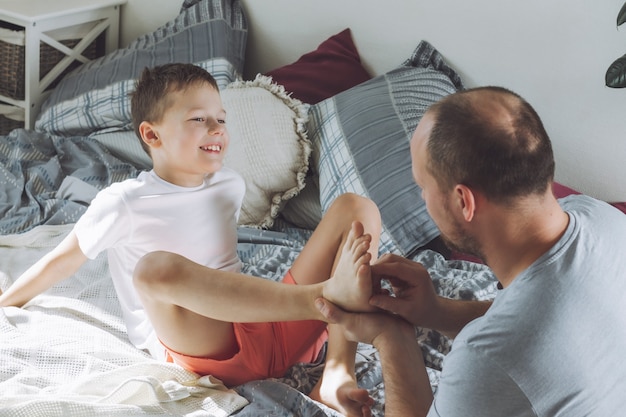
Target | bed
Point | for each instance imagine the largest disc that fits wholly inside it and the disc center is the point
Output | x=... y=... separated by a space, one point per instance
x=299 y=137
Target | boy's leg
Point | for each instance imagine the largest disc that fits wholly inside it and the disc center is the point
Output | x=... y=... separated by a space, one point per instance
x=322 y=253
x=191 y=306
x=332 y=251
x=178 y=327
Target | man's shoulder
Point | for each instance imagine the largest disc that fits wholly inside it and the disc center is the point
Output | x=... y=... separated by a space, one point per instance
x=597 y=220
x=586 y=204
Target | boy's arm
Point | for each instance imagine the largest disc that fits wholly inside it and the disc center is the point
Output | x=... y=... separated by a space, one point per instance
x=62 y=262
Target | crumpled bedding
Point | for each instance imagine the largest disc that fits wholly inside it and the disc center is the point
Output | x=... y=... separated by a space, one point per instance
x=47 y=179
x=66 y=352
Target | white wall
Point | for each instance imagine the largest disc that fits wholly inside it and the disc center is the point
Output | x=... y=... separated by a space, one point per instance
x=141 y=16
x=554 y=53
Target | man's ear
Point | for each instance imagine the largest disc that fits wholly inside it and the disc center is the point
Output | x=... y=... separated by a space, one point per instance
x=466 y=200
x=149 y=135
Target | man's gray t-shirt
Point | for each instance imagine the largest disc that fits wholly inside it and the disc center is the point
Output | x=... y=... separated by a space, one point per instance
x=554 y=341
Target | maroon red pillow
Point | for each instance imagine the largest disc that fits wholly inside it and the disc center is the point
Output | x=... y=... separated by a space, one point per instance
x=561 y=190
x=333 y=67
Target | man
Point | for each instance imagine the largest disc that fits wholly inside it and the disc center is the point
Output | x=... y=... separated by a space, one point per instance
x=552 y=342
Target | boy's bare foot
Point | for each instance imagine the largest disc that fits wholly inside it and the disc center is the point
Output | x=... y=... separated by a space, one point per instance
x=340 y=392
x=350 y=287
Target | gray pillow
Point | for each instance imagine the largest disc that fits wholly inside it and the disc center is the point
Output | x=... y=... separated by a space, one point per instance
x=209 y=33
x=361 y=144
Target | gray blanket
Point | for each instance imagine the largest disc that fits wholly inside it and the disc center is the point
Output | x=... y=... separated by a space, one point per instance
x=47 y=179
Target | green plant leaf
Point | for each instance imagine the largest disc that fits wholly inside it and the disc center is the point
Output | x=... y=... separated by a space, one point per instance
x=616 y=74
x=621 y=16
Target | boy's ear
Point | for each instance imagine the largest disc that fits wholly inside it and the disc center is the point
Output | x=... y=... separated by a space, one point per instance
x=466 y=199
x=149 y=135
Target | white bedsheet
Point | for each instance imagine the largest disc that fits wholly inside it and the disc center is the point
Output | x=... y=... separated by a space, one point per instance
x=66 y=352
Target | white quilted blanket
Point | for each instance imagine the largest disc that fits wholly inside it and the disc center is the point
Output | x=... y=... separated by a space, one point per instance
x=46 y=370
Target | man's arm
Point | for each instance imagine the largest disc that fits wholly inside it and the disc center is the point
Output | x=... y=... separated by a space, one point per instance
x=415 y=298
x=455 y=314
x=60 y=263
x=407 y=387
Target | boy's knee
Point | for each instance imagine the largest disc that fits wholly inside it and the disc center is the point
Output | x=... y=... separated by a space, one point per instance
x=352 y=200
x=152 y=271
x=358 y=206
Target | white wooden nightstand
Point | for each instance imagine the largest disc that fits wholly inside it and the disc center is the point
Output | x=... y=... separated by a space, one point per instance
x=42 y=18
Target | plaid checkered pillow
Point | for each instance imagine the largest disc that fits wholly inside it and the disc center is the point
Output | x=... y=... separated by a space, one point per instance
x=361 y=144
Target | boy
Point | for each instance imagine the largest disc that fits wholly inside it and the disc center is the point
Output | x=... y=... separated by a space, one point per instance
x=171 y=240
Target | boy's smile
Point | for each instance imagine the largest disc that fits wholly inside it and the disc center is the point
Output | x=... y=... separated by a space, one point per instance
x=212 y=148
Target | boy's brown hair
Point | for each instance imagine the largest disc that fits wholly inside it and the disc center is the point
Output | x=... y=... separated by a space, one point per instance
x=151 y=97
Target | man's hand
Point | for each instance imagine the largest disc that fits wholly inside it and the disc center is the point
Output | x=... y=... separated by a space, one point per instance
x=414 y=297
x=362 y=327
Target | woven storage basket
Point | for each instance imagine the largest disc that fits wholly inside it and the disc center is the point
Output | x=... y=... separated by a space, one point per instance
x=12 y=64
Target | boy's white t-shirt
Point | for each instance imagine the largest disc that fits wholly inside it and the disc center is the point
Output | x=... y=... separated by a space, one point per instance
x=137 y=216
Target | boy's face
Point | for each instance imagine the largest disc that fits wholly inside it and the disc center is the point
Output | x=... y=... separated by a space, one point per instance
x=191 y=139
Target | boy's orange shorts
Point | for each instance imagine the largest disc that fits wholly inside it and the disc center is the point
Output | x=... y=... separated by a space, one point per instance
x=266 y=350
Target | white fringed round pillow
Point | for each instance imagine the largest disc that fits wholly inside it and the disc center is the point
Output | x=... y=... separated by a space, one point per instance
x=269 y=147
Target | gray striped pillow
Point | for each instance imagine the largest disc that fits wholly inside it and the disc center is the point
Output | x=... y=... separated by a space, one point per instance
x=361 y=144
x=209 y=33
